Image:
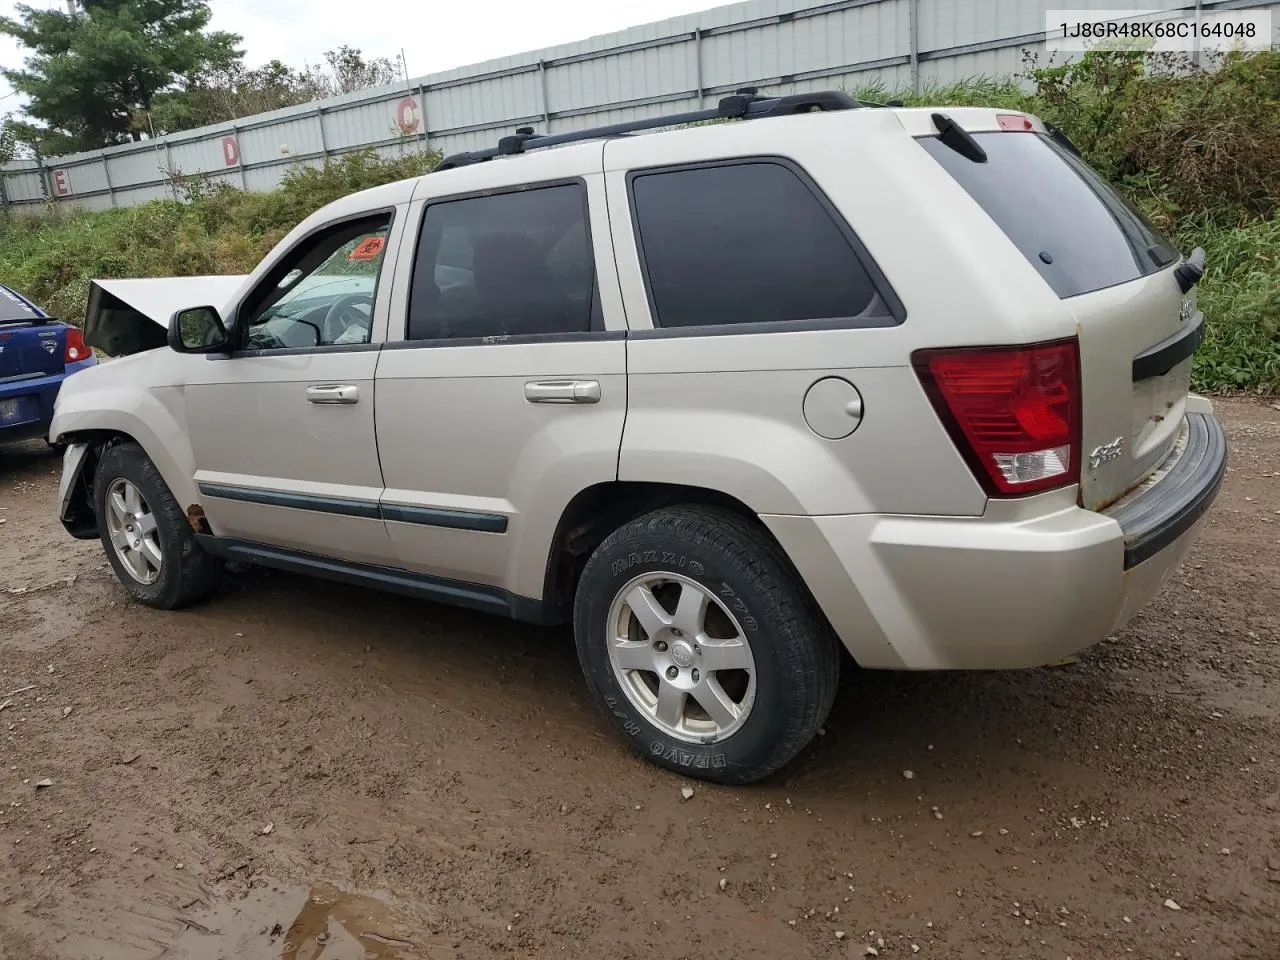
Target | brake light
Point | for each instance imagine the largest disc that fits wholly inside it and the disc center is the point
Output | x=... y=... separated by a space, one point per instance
x=76 y=349
x=1014 y=412
x=1012 y=122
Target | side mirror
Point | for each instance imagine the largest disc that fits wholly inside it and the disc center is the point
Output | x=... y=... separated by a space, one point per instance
x=197 y=330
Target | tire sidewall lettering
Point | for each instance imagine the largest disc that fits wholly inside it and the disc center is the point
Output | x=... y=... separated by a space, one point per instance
x=669 y=752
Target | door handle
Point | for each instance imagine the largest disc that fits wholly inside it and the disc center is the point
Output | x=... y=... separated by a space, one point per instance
x=334 y=393
x=562 y=391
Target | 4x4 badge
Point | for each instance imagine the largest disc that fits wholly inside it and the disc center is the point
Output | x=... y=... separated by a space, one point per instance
x=1185 y=311
x=1105 y=453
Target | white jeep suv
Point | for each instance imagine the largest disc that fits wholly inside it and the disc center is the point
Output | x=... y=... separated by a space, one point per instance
x=725 y=397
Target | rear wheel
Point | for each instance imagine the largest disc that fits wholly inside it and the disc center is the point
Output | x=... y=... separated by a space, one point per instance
x=701 y=643
x=147 y=538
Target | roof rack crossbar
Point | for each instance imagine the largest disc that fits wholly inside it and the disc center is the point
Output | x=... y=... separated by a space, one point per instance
x=744 y=104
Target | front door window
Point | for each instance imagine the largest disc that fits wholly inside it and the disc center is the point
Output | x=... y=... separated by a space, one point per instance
x=322 y=295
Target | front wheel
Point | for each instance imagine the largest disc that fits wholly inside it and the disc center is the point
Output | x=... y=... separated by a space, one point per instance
x=703 y=646
x=147 y=538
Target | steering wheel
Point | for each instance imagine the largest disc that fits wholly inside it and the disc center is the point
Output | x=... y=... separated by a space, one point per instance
x=343 y=314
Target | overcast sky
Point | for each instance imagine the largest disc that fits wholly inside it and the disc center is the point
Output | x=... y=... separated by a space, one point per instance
x=435 y=34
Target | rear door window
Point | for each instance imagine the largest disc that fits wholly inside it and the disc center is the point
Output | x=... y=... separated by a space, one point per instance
x=1067 y=221
x=503 y=265
x=748 y=242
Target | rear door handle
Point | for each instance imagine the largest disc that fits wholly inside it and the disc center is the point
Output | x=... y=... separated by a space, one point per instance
x=333 y=393
x=562 y=391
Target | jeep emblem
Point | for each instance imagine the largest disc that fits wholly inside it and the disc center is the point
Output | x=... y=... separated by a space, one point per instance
x=1185 y=311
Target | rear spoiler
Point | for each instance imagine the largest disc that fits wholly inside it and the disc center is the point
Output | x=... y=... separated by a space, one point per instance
x=129 y=316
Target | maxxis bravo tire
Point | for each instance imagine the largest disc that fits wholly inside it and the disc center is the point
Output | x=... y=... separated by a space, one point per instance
x=187 y=574
x=797 y=661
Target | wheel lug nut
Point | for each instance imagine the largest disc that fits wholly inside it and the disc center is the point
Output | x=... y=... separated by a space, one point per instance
x=661 y=646
x=695 y=676
x=672 y=673
x=676 y=633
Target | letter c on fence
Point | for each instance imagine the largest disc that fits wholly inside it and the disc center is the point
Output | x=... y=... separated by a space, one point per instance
x=230 y=151
x=407 y=118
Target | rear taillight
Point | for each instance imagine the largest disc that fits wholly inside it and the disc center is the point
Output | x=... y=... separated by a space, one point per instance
x=1014 y=412
x=76 y=349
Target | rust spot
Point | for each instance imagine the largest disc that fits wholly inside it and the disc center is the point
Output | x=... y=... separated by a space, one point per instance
x=195 y=517
x=1158 y=418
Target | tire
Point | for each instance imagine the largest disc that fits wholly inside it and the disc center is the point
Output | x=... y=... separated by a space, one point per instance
x=185 y=572
x=781 y=700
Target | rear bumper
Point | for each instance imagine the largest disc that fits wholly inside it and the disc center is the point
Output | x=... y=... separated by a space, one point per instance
x=41 y=392
x=38 y=396
x=1172 y=500
x=1026 y=584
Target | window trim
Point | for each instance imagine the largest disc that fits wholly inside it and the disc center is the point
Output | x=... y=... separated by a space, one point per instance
x=233 y=321
x=879 y=282
x=498 y=340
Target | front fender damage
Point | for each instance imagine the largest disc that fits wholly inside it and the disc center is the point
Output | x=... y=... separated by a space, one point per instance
x=75 y=491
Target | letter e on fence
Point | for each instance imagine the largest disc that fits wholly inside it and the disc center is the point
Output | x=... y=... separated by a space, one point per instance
x=407 y=116
x=61 y=185
x=230 y=151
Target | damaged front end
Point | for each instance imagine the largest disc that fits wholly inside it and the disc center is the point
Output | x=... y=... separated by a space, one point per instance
x=125 y=317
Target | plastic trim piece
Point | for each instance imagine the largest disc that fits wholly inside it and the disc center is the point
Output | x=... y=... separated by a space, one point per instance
x=1170 y=507
x=1170 y=352
x=365 y=509
x=393 y=579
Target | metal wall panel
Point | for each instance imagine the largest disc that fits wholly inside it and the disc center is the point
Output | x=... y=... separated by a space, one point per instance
x=141 y=166
x=23 y=187
x=86 y=177
x=783 y=46
x=198 y=156
x=297 y=137
x=131 y=196
x=1007 y=62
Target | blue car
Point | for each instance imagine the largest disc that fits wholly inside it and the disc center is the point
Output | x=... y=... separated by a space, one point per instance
x=36 y=354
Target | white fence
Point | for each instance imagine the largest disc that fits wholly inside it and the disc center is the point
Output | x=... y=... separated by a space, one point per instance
x=780 y=46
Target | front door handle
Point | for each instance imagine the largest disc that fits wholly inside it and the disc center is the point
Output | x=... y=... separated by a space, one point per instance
x=562 y=391
x=334 y=393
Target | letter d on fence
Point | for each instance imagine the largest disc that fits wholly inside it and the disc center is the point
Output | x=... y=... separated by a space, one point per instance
x=230 y=151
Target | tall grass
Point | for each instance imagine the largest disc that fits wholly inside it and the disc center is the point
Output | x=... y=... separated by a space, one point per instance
x=1198 y=150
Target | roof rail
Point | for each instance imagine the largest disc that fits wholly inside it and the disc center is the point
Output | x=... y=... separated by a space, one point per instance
x=745 y=104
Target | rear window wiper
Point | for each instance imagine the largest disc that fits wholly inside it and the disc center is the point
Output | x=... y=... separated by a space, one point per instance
x=958 y=138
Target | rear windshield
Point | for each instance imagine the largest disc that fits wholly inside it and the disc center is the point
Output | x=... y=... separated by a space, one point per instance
x=1067 y=221
x=13 y=309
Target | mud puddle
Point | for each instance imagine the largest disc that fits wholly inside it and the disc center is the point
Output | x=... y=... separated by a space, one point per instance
x=289 y=923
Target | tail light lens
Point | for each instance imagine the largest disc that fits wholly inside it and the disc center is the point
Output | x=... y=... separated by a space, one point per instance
x=1014 y=412
x=76 y=348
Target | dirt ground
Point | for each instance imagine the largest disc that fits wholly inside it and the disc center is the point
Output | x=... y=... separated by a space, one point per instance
x=306 y=771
